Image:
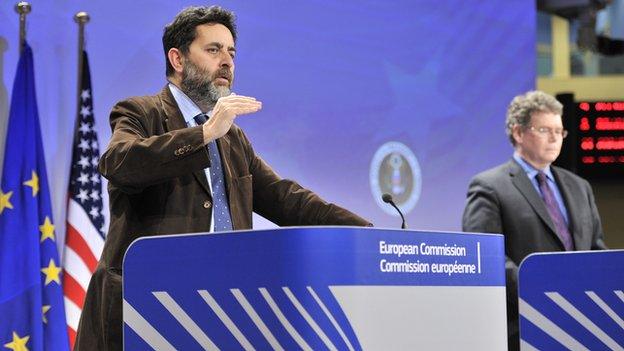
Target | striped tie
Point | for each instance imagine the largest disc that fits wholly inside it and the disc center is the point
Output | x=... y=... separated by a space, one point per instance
x=555 y=212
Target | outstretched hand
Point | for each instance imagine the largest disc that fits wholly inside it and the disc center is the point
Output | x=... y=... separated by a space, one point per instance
x=225 y=112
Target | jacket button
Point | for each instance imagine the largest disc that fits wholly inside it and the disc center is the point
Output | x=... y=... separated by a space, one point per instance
x=207 y=204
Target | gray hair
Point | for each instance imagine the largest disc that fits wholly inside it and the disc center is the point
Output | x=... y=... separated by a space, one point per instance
x=523 y=106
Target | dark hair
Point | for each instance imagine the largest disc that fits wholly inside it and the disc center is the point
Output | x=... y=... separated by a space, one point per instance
x=181 y=32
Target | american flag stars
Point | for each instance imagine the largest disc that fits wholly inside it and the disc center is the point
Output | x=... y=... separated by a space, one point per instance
x=85 y=180
x=84 y=145
x=85 y=95
x=85 y=111
x=85 y=220
x=84 y=128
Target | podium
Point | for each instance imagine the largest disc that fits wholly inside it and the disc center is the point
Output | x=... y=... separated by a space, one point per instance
x=337 y=288
x=572 y=301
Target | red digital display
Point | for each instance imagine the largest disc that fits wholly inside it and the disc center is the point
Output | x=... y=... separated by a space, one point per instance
x=609 y=123
x=600 y=137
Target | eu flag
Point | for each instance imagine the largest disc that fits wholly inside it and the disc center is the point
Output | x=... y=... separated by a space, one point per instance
x=32 y=315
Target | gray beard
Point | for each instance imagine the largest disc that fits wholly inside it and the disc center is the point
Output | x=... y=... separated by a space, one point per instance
x=198 y=86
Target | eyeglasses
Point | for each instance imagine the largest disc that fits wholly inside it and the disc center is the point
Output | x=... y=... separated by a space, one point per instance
x=546 y=131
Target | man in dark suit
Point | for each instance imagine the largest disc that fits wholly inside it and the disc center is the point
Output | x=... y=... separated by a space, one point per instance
x=537 y=206
x=169 y=172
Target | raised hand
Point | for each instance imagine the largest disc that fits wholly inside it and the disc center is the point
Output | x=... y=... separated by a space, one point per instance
x=225 y=112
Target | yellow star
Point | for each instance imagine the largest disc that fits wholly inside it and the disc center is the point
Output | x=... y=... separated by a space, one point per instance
x=47 y=230
x=4 y=200
x=44 y=310
x=52 y=273
x=33 y=183
x=18 y=344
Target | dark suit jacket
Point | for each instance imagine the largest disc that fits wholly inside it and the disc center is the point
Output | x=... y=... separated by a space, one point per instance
x=157 y=185
x=503 y=200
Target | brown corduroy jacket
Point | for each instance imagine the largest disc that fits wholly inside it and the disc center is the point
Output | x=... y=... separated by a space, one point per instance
x=157 y=185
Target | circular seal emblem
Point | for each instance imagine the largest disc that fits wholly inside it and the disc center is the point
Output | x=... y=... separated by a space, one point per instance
x=395 y=170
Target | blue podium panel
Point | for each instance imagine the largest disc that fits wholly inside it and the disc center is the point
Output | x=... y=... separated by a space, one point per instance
x=572 y=301
x=337 y=288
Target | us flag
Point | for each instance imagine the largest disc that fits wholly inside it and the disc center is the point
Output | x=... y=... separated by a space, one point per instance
x=84 y=239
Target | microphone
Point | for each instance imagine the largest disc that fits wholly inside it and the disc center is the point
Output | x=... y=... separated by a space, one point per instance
x=387 y=198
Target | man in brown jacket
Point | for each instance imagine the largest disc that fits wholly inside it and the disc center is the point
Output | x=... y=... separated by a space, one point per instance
x=171 y=173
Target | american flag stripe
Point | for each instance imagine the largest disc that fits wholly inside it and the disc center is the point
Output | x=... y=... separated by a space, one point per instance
x=73 y=314
x=76 y=268
x=74 y=291
x=76 y=242
x=77 y=218
x=85 y=221
x=72 y=336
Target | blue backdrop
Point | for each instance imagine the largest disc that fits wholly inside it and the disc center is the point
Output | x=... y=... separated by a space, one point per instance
x=337 y=79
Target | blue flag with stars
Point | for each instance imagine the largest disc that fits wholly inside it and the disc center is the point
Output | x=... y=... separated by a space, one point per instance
x=32 y=315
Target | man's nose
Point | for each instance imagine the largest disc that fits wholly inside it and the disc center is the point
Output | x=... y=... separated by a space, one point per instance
x=226 y=60
x=552 y=136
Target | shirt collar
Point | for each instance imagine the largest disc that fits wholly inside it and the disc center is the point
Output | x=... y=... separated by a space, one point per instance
x=530 y=170
x=188 y=108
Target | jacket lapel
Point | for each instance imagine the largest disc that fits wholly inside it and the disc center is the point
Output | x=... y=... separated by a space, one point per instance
x=173 y=121
x=526 y=188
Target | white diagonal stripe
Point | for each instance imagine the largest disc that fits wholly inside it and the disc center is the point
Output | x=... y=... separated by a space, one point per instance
x=225 y=319
x=72 y=312
x=78 y=218
x=525 y=346
x=608 y=310
x=278 y=313
x=534 y=316
x=256 y=319
x=183 y=318
x=583 y=320
x=308 y=318
x=331 y=318
x=620 y=294
x=143 y=329
x=77 y=268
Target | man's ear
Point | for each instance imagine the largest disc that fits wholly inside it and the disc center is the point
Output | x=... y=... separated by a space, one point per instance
x=517 y=132
x=175 y=59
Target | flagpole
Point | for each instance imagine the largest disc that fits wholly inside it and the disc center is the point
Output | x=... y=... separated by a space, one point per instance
x=85 y=217
x=23 y=8
x=81 y=18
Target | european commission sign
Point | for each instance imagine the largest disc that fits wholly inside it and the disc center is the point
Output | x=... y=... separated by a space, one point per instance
x=337 y=288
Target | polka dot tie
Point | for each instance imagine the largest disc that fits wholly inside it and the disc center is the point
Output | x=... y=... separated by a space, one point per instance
x=221 y=208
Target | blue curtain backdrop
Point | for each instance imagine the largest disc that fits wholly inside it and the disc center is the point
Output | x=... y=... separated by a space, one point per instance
x=338 y=80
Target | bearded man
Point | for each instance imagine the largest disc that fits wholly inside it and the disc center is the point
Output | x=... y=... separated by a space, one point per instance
x=171 y=171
